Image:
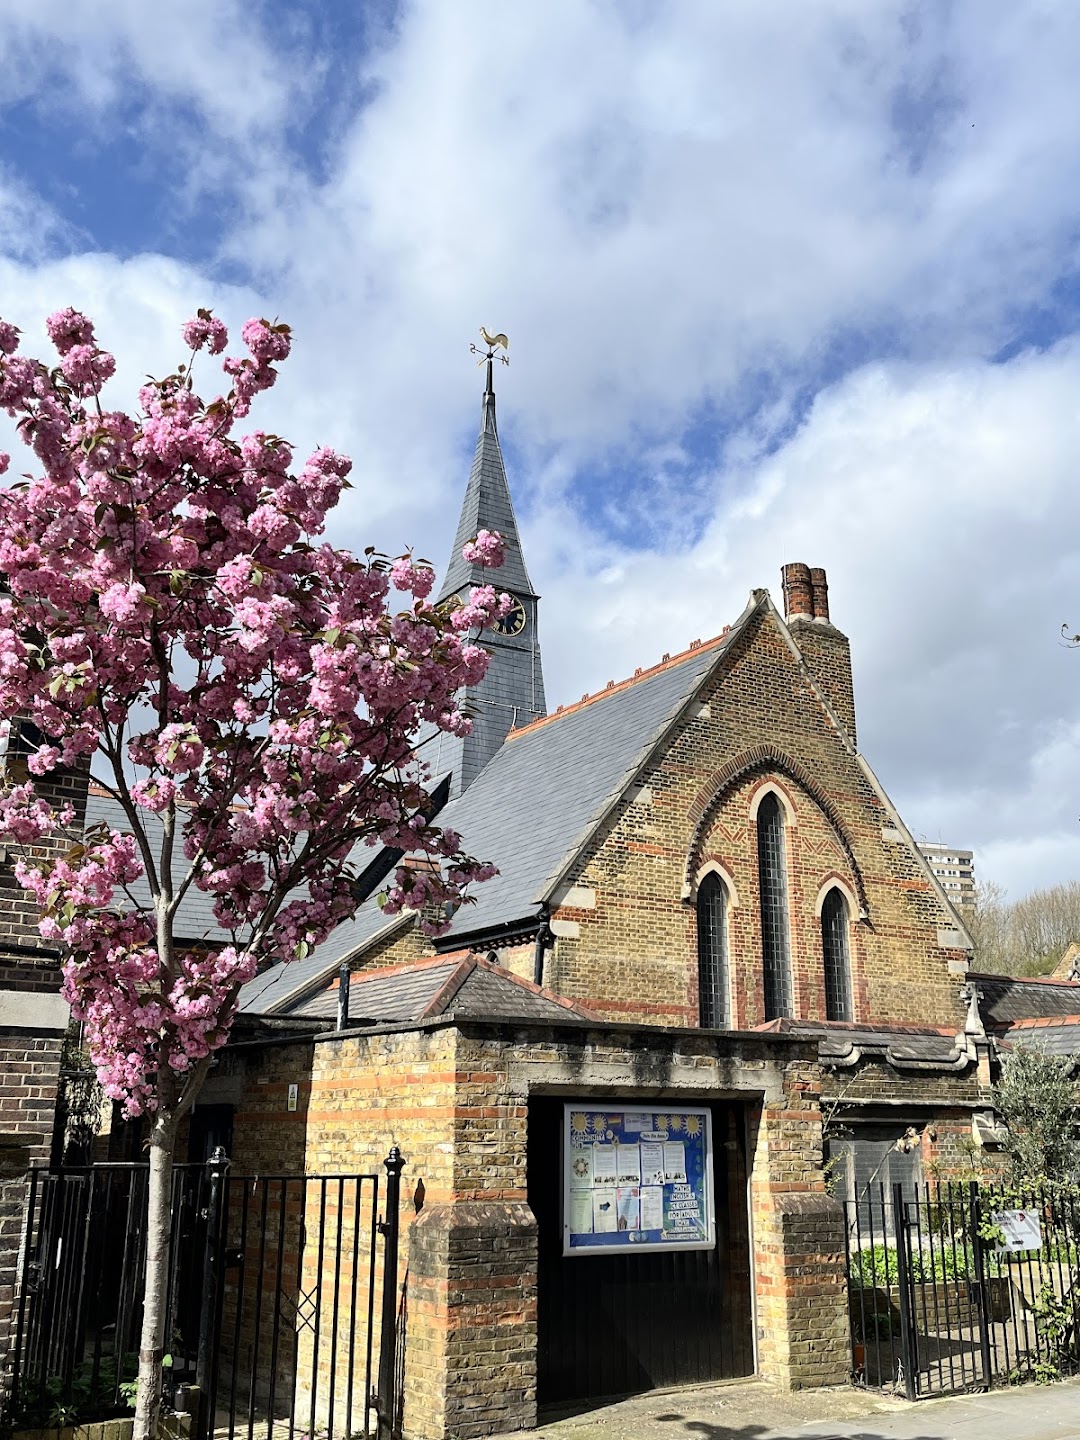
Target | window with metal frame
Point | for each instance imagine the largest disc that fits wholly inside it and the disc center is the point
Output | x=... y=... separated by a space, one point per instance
x=712 y=953
x=834 y=949
x=772 y=885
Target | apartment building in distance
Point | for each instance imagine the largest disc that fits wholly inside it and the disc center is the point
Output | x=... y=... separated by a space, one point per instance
x=955 y=869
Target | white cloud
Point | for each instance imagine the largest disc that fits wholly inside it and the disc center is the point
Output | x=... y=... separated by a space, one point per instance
x=687 y=219
x=943 y=503
x=89 y=54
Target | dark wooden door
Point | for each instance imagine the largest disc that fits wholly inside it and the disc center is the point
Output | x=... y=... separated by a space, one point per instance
x=620 y=1324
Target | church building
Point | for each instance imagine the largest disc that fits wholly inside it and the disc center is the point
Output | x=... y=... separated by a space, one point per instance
x=713 y=953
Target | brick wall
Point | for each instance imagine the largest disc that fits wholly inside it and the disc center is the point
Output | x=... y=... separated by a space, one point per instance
x=630 y=950
x=18 y=912
x=455 y=1098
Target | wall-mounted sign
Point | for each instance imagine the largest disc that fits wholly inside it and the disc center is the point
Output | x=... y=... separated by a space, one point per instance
x=636 y=1179
x=1021 y=1230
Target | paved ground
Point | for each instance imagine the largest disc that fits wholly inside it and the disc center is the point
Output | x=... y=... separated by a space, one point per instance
x=750 y=1410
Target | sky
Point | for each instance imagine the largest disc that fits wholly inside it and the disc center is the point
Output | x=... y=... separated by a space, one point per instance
x=782 y=282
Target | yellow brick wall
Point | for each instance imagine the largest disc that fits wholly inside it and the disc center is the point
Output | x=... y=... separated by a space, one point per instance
x=635 y=955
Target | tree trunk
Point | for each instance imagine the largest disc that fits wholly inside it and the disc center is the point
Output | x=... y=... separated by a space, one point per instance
x=158 y=1225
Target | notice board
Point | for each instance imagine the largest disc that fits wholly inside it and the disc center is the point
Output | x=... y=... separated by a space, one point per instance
x=636 y=1179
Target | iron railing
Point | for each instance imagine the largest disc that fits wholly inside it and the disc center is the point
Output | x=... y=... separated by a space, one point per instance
x=274 y=1287
x=939 y=1303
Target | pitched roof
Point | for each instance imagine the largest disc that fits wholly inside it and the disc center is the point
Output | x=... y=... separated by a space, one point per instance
x=563 y=773
x=538 y=801
x=1008 y=998
x=487 y=506
x=460 y=986
x=281 y=986
x=1054 y=1035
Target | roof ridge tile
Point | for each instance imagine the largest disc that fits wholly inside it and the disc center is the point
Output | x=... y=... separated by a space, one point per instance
x=669 y=661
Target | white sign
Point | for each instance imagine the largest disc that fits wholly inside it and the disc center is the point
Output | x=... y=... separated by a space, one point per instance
x=294 y=1091
x=1021 y=1229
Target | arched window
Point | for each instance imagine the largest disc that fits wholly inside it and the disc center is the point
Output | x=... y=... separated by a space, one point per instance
x=834 y=948
x=712 y=952
x=772 y=883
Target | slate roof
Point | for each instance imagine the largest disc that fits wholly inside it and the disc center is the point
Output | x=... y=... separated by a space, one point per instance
x=1056 y=1035
x=1007 y=998
x=487 y=506
x=195 y=917
x=279 y=987
x=545 y=791
x=460 y=986
x=905 y=1047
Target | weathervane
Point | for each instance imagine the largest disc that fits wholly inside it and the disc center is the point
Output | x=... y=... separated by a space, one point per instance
x=493 y=342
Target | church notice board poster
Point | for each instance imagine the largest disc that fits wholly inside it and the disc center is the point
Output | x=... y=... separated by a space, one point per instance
x=637 y=1179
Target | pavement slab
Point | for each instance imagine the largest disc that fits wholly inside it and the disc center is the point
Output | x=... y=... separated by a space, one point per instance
x=752 y=1410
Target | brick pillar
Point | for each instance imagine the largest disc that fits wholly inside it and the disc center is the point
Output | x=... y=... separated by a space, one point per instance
x=31 y=1039
x=14 y=1161
x=472 y=1321
x=800 y=1287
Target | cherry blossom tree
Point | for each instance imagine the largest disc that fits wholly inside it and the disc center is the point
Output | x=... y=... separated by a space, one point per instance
x=249 y=695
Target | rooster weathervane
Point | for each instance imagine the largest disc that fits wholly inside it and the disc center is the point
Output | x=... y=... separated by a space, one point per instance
x=493 y=343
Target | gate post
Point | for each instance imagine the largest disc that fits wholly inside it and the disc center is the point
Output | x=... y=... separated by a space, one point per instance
x=385 y=1405
x=980 y=1283
x=21 y=1287
x=903 y=1277
x=210 y=1309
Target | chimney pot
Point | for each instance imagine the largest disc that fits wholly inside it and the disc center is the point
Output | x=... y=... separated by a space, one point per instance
x=820 y=595
x=798 y=591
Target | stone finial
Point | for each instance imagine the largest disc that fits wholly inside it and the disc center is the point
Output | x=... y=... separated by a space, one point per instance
x=973 y=1024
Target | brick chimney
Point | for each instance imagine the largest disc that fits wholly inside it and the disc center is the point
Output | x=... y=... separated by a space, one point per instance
x=825 y=650
x=798 y=591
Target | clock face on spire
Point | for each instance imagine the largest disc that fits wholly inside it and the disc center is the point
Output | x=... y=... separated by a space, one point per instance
x=513 y=622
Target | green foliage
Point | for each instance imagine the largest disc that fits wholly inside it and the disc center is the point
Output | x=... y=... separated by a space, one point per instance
x=1055 y=1354
x=1036 y=1098
x=52 y=1404
x=876 y=1267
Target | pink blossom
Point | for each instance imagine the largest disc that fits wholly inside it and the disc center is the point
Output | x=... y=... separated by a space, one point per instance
x=172 y=611
x=67 y=328
x=414 y=579
x=266 y=342
x=123 y=603
x=44 y=759
x=206 y=330
x=486 y=549
x=86 y=368
x=178 y=749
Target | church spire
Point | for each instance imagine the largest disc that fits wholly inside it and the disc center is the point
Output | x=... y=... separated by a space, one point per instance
x=511 y=694
x=487 y=504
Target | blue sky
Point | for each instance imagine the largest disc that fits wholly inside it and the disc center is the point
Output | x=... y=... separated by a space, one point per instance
x=781 y=283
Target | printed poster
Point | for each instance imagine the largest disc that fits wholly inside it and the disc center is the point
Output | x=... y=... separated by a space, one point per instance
x=637 y=1178
x=1021 y=1230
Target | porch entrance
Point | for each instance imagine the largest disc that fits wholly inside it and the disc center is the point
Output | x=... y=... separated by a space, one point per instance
x=620 y=1324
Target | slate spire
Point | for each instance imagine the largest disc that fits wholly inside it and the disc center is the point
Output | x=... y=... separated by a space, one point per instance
x=511 y=694
x=487 y=506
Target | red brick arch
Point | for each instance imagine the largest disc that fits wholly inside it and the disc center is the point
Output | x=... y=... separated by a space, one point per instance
x=758 y=760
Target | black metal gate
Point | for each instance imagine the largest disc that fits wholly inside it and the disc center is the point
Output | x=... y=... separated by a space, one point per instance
x=277 y=1308
x=938 y=1305
x=615 y=1324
